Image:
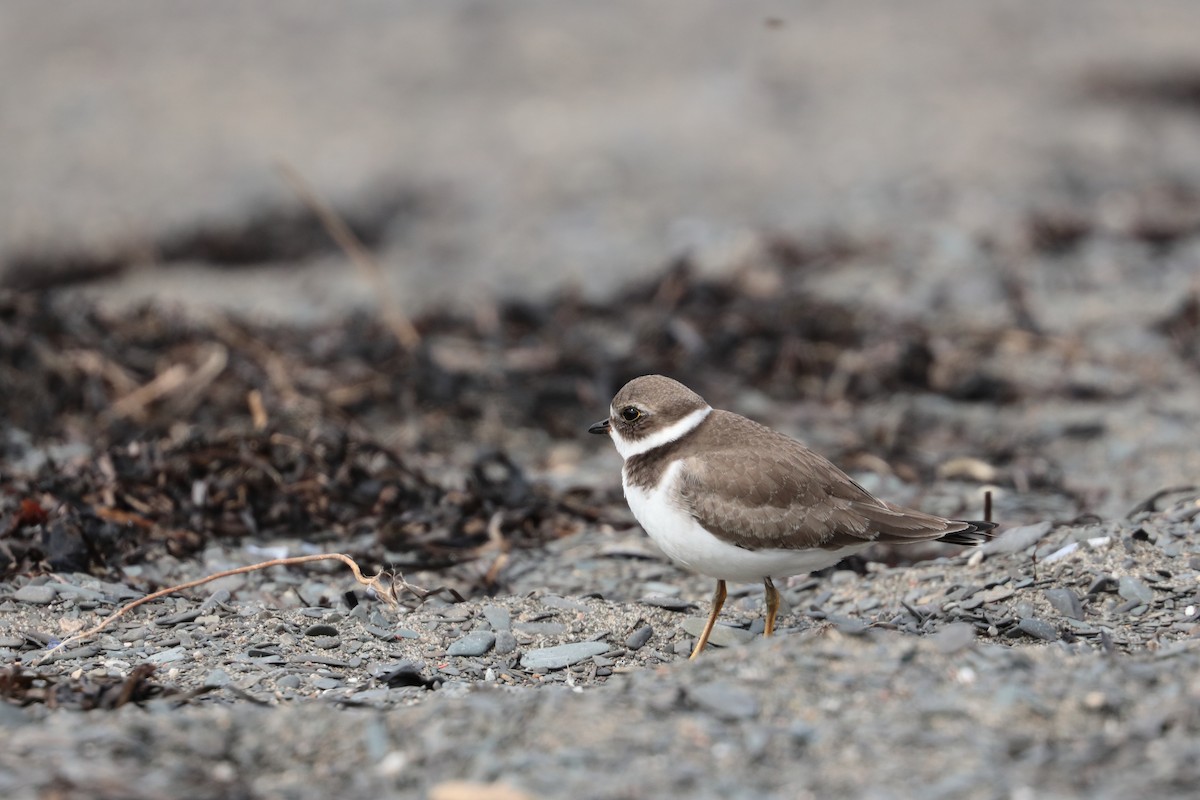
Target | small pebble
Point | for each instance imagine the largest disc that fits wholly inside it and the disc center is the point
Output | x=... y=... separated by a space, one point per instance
x=498 y=617
x=505 y=643
x=321 y=630
x=326 y=642
x=475 y=643
x=288 y=682
x=638 y=639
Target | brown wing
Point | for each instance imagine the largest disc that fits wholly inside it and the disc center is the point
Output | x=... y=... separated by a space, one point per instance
x=770 y=491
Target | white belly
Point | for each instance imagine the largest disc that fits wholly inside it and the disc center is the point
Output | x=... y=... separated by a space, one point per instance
x=685 y=542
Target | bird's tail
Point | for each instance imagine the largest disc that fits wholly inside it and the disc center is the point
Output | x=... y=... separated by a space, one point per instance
x=976 y=533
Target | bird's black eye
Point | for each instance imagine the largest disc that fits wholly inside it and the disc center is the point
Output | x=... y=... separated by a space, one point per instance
x=630 y=414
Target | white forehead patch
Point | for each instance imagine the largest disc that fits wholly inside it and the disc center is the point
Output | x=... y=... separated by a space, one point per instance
x=636 y=447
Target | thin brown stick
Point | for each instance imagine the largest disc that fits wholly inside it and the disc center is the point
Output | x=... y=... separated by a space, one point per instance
x=134 y=403
x=176 y=384
x=404 y=331
x=386 y=591
x=258 y=410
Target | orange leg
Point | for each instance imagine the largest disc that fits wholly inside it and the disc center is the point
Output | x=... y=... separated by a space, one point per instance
x=717 y=601
x=772 y=606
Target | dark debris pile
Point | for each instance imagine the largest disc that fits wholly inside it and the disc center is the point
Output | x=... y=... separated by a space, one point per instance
x=326 y=486
x=551 y=365
x=24 y=687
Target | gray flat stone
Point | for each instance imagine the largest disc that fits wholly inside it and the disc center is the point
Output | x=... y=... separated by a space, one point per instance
x=498 y=617
x=216 y=679
x=540 y=628
x=563 y=655
x=1016 y=539
x=954 y=637
x=723 y=699
x=1038 y=629
x=664 y=601
x=178 y=619
x=722 y=635
x=1132 y=588
x=563 y=603
x=78 y=591
x=997 y=593
x=475 y=643
x=168 y=656
x=1065 y=602
x=851 y=626
x=36 y=595
x=1082 y=628
x=329 y=661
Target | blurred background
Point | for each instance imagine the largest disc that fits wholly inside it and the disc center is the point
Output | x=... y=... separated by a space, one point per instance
x=950 y=245
x=517 y=148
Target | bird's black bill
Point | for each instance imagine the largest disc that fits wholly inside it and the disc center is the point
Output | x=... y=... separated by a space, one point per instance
x=599 y=427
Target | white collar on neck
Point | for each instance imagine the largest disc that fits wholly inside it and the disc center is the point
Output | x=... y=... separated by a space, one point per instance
x=635 y=447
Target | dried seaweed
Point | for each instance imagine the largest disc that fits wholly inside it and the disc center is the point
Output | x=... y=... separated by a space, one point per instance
x=327 y=487
x=24 y=687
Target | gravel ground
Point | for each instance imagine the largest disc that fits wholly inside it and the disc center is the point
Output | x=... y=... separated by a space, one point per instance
x=952 y=249
x=1053 y=662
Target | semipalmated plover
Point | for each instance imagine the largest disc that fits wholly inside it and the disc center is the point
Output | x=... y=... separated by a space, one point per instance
x=732 y=499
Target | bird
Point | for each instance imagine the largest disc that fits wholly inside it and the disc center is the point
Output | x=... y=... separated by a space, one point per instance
x=729 y=498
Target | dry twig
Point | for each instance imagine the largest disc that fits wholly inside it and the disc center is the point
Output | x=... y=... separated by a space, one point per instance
x=404 y=331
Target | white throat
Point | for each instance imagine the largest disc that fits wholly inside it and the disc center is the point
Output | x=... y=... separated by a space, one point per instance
x=635 y=447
